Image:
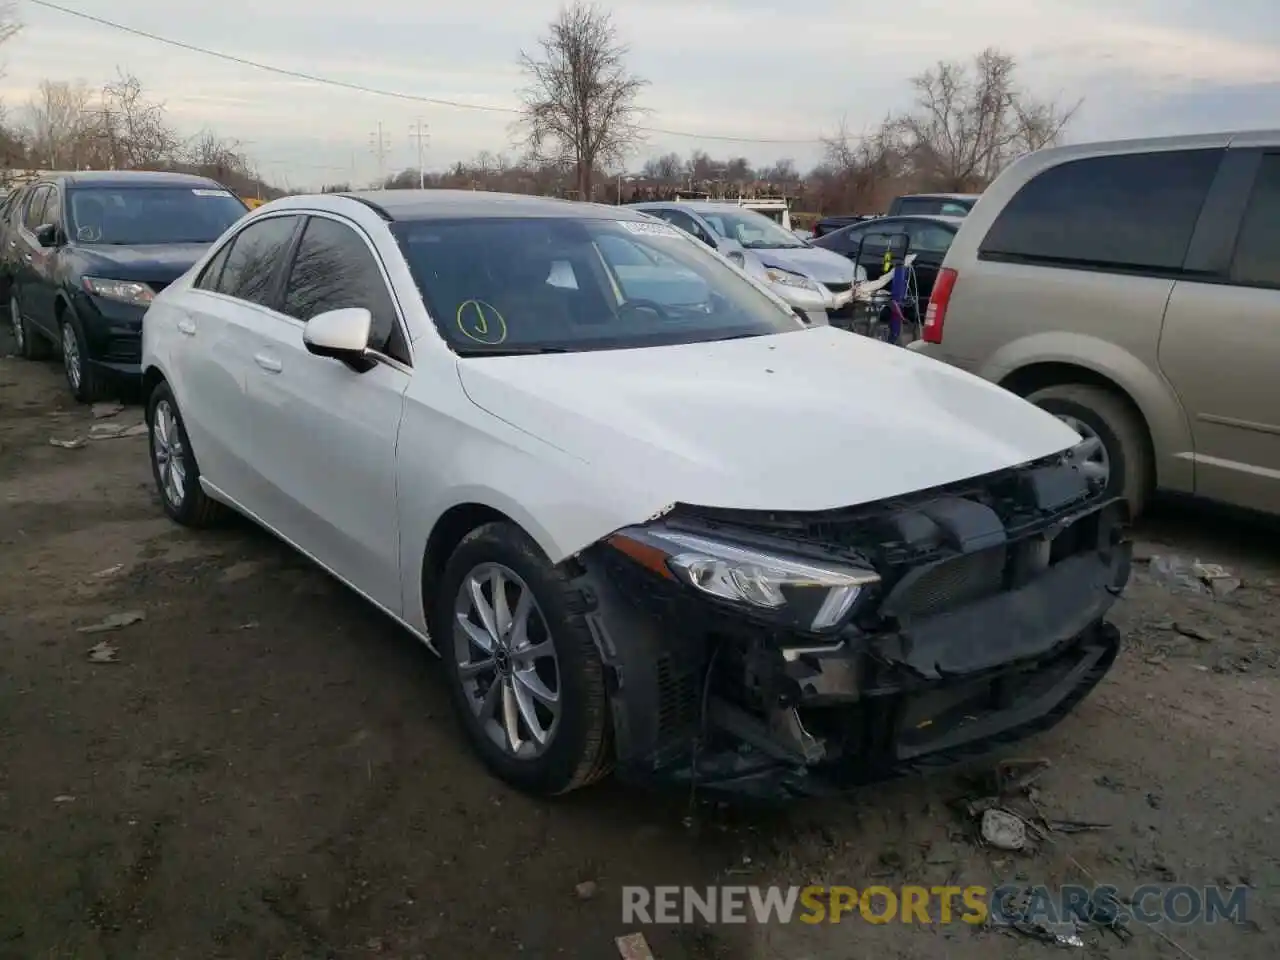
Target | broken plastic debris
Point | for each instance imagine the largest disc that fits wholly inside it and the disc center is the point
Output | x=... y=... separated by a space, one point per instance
x=1003 y=830
x=101 y=411
x=102 y=652
x=633 y=946
x=114 y=622
x=110 y=571
x=75 y=444
x=585 y=890
x=1175 y=572
x=63 y=798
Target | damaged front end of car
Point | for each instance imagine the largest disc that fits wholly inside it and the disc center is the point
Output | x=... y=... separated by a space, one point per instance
x=787 y=654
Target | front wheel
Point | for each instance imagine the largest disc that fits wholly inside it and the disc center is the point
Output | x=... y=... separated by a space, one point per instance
x=87 y=384
x=524 y=673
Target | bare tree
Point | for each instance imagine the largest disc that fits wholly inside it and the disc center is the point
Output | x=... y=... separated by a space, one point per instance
x=58 y=122
x=580 y=103
x=668 y=168
x=133 y=129
x=971 y=120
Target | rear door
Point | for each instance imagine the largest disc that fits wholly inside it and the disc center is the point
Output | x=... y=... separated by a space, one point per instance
x=35 y=300
x=930 y=242
x=1220 y=346
x=219 y=323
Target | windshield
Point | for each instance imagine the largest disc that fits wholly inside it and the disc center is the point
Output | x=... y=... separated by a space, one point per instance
x=135 y=216
x=753 y=230
x=568 y=284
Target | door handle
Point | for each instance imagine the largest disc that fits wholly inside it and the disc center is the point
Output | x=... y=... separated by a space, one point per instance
x=187 y=326
x=268 y=362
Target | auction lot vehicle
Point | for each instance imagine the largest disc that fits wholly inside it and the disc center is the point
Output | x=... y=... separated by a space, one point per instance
x=815 y=283
x=1133 y=289
x=567 y=447
x=933 y=205
x=86 y=252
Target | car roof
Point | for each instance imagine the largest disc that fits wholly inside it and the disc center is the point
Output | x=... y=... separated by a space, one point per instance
x=898 y=217
x=697 y=206
x=132 y=178
x=940 y=196
x=467 y=204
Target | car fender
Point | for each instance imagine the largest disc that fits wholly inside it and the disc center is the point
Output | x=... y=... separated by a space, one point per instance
x=1155 y=398
x=562 y=502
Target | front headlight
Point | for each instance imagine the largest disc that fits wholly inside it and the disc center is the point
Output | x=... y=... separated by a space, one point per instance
x=788 y=279
x=814 y=596
x=122 y=291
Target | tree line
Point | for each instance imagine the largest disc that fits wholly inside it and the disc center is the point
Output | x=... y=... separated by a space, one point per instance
x=579 y=123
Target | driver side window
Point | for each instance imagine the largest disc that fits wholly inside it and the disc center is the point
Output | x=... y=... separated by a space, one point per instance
x=35 y=207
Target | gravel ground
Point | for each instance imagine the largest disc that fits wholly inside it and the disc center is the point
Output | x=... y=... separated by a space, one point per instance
x=264 y=766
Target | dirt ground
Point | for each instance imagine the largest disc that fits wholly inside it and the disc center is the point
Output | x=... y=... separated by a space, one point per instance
x=264 y=766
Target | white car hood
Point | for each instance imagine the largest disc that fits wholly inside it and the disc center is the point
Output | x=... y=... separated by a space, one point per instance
x=810 y=420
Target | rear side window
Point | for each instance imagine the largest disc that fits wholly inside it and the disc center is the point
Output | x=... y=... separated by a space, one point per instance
x=250 y=268
x=1257 y=257
x=1132 y=212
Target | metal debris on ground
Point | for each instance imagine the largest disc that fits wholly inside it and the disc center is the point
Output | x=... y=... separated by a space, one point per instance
x=101 y=411
x=1003 y=830
x=103 y=652
x=110 y=571
x=113 y=622
x=633 y=946
x=75 y=444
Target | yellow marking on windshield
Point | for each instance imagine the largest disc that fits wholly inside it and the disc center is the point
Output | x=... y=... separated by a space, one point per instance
x=618 y=298
x=482 y=323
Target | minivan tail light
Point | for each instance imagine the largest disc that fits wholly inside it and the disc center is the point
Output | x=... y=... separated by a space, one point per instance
x=938 y=302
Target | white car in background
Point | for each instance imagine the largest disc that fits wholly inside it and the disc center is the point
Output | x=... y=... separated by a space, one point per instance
x=631 y=500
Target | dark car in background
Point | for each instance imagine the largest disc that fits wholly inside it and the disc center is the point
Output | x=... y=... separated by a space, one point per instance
x=85 y=253
x=929 y=238
x=933 y=204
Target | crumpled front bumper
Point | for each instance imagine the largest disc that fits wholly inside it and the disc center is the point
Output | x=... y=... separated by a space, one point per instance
x=733 y=706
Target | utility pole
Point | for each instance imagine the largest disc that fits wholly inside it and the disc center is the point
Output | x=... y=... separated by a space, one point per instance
x=418 y=132
x=380 y=143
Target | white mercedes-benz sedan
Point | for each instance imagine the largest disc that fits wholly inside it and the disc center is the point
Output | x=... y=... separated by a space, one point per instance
x=648 y=518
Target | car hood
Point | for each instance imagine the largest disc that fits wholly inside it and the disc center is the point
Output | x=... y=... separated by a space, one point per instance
x=823 y=265
x=810 y=420
x=153 y=263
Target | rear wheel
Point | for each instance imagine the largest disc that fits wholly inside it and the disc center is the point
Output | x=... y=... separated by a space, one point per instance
x=29 y=344
x=1116 y=448
x=524 y=673
x=174 y=467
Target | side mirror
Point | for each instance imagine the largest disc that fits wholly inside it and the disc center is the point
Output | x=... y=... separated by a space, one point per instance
x=47 y=235
x=342 y=335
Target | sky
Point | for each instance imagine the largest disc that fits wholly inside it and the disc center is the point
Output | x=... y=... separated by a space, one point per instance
x=750 y=69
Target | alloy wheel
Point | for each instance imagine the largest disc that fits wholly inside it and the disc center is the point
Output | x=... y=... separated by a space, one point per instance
x=71 y=355
x=170 y=457
x=506 y=659
x=1091 y=453
x=15 y=318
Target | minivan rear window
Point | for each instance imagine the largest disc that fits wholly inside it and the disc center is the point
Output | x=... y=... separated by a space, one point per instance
x=1129 y=212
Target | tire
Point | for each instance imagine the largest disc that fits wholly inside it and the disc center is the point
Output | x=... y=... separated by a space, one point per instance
x=87 y=383
x=1121 y=430
x=192 y=507
x=579 y=748
x=29 y=344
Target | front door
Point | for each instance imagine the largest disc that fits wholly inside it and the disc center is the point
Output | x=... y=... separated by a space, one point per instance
x=328 y=433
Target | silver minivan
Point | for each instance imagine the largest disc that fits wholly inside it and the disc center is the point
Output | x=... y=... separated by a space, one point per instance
x=1133 y=289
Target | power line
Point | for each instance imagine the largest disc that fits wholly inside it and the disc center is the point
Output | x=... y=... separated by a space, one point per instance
x=360 y=88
